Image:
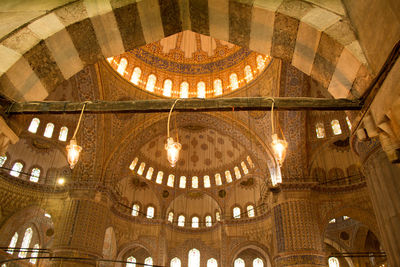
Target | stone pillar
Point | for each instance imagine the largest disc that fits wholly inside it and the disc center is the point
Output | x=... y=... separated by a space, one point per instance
x=298 y=240
x=383 y=181
x=80 y=231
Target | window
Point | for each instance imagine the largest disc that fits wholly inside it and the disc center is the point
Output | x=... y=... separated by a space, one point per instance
x=151 y=82
x=336 y=127
x=217 y=87
x=16 y=169
x=348 y=123
x=239 y=263
x=346 y=218
x=175 y=262
x=141 y=168
x=237 y=173
x=12 y=244
x=206 y=181
x=201 y=90
x=167 y=88
x=228 y=176
x=181 y=221
x=35 y=173
x=212 y=263
x=135 y=210
x=3 y=160
x=171 y=217
x=319 y=128
x=248 y=74
x=218 y=180
x=244 y=167
x=63 y=134
x=133 y=164
x=47 y=215
x=258 y=262
x=184 y=90
x=135 y=78
x=251 y=164
x=159 y=178
x=150 y=212
x=110 y=59
x=208 y=221
x=171 y=180
x=194 y=258
x=149 y=261
x=332 y=221
x=217 y=216
x=122 y=66
x=333 y=262
x=131 y=259
x=195 y=222
x=149 y=173
x=34 y=254
x=25 y=242
x=48 y=132
x=182 y=182
x=234 y=81
x=236 y=212
x=250 y=211
x=34 y=125
x=195 y=182
x=260 y=62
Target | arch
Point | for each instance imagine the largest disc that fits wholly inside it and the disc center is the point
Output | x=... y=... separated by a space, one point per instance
x=48 y=132
x=195 y=222
x=171 y=217
x=236 y=212
x=167 y=88
x=181 y=221
x=151 y=82
x=184 y=90
x=171 y=180
x=35 y=174
x=194 y=258
x=208 y=221
x=257 y=262
x=260 y=248
x=125 y=248
x=201 y=90
x=26 y=241
x=109 y=245
x=150 y=212
x=182 y=182
x=248 y=73
x=135 y=209
x=16 y=169
x=339 y=248
x=217 y=87
x=234 y=82
x=63 y=134
x=195 y=182
x=34 y=125
x=175 y=262
x=333 y=262
x=239 y=262
x=135 y=78
x=206 y=181
x=212 y=263
x=320 y=130
x=250 y=211
x=149 y=173
x=123 y=63
x=336 y=129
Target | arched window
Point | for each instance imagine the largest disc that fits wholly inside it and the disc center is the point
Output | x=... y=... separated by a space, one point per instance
x=16 y=169
x=217 y=216
x=260 y=62
x=218 y=180
x=151 y=82
x=212 y=263
x=194 y=258
x=149 y=173
x=167 y=88
x=195 y=182
x=159 y=178
x=206 y=180
x=175 y=262
x=171 y=217
x=48 y=132
x=12 y=244
x=251 y=164
x=150 y=212
x=133 y=164
x=237 y=173
x=135 y=210
x=239 y=263
x=3 y=160
x=182 y=182
x=181 y=221
x=195 y=222
x=135 y=78
x=122 y=66
x=171 y=180
x=319 y=128
x=131 y=259
x=234 y=81
x=217 y=87
x=35 y=174
x=141 y=168
x=258 y=262
x=25 y=242
x=336 y=127
x=201 y=90
x=34 y=125
x=348 y=123
x=244 y=167
x=333 y=262
x=236 y=212
x=248 y=73
x=208 y=221
x=184 y=93
x=228 y=176
x=63 y=134
x=35 y=253
x=250 y=211
x=149 y=261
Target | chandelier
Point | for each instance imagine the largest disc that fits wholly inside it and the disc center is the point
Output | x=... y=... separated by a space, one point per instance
x=173 y=148
x=73 y=149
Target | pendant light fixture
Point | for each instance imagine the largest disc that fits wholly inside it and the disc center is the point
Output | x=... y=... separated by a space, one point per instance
x=73 y=149
x=173 y=148
x=278 y=145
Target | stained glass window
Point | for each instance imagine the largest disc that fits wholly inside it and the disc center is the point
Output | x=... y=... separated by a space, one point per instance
x=149 y=261
x=175 y=262
x=181 y=221
x=206 y=180
x=218 y=180
x=348 y=123
x=159 y=178
x=16 y=169
x=35 y=174
x=35 y=253
x=194 y=258
x=135 y=78
x=12 y=244
x=201 y=90
x=258 y=262
x=135 y=210
x=336 y=127
x=228 y=176
x=141 y=168
x=151 y=82
x=63 y=134
x=217 y=87
x=167 y=88
x=171 y=180
x=182 y=182
x=333 y=262
x=122 y=66
x=236 y=212
x=25 y=242
x=234 y=81
x=133 y=164
x=239 y=263
x=195 y=222
x=171 y=217
x=250 y=211
x=150 y=212
x=3 y=160
x=34 y=125
x=184 y=90
x=260 y=62
x=212 y=263
x=195 y=182
x=248 y=73
x=149 y=173
x=131 y=259
x=237 y=173
x=319 y=128
x=48 y=132
x=208 y=221
x=244 y=167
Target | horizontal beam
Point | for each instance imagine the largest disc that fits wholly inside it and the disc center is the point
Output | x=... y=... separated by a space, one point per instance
x=188 y=105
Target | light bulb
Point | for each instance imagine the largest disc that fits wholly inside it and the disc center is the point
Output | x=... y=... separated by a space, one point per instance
x=279 y=148
x=73 y=151
x=173 y=149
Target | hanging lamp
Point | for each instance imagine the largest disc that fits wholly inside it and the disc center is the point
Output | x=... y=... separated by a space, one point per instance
x=73 y=149
x=278 y=145
x=173 y=148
